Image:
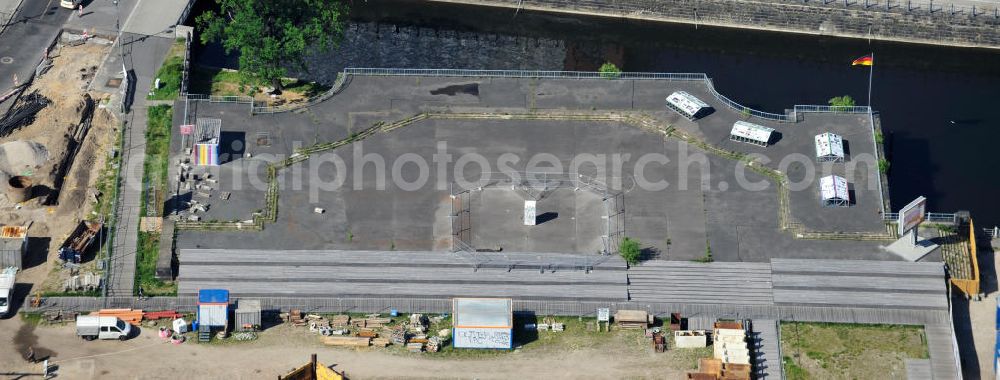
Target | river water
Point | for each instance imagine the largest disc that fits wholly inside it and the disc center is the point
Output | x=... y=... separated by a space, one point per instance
x=940 y=107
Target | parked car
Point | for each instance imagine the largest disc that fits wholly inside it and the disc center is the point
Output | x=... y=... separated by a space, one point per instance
x=91 y=327
x=71 y=4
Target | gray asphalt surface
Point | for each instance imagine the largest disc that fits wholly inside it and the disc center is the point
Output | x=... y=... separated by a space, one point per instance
x=30 y=31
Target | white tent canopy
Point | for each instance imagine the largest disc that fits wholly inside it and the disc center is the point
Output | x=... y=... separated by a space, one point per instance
x=829 y=147
x=750 y=133
x=686 y=104
x=833 y=191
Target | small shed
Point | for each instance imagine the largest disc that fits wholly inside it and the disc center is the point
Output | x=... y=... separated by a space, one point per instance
x=207 y=135
x=247 y=315
x=829 y=147
x=833 y=191
x=483 y=323
x=13 y=245
x=633 y=319
x=751 y=133
x=213 y=308
x=687 y=105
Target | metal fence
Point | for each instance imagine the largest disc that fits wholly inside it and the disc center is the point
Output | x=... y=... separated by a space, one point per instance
x=915 y=7
x=931 y=217
x=523 y=74
x=929 y=7
x=538 y=307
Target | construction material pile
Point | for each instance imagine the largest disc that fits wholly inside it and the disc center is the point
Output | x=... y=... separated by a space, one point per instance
x=731 y=359
x=23 y=113
x=130 y=316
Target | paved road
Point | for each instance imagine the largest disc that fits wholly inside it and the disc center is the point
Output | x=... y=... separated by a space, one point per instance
x=31 y=30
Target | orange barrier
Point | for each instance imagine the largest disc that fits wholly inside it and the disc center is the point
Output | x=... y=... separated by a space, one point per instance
x=970 y=286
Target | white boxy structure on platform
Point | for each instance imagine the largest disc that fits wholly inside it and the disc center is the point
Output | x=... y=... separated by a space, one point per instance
x=687 y=105
x=829 y=147
x=833 y=191
x=483 y=323
x=751 y=133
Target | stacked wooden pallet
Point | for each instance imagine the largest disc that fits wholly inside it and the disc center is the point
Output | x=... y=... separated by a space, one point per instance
x=371 y=322
x=295 y=318
x=133 y=317
x=340 y=321
x=346 y=341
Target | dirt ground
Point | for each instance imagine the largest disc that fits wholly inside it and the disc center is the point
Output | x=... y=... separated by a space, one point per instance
x=63 y=85
x=282 y=348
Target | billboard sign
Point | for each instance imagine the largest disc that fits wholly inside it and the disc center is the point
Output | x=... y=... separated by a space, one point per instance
x=912 y=215
x=473 y=337
x=603 y=314
x=187 y=129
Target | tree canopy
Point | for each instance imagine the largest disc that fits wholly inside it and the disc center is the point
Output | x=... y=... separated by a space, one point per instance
x=272 y=35
x=630 y=250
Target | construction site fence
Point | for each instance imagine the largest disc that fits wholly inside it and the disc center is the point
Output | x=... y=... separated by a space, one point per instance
x=537 y=307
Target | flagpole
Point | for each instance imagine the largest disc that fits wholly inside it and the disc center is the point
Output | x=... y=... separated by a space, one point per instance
x=871 y=72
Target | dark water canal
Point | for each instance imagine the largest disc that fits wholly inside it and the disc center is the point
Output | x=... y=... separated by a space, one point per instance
x=940 y=107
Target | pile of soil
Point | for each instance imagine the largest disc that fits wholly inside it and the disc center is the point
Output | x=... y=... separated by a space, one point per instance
x=22 y=157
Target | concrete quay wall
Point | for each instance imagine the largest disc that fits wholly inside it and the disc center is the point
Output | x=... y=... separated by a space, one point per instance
x=938 y=23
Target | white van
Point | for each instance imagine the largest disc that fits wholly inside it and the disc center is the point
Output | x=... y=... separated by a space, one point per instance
x=95 y=327
x=70 y=4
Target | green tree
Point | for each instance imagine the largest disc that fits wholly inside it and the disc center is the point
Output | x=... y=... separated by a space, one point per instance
x=629 y=249
x=842 y=101
x=272 y=35
x=610 y=71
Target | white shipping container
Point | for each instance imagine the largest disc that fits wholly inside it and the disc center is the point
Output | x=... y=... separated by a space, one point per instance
x=212 y=315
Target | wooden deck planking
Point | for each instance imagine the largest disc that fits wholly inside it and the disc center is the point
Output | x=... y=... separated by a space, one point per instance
x=857 y=267
x=768 y=358
x=862 y=282
x=411 y=258
x=396 y=289
x=820 y=297
x=400 y=274
x=939 y=344
x=918 y=369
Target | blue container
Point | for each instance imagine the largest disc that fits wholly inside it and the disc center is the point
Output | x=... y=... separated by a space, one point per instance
x=213 y=296
x=393 y=313
x=194 y=325
x=998 y=314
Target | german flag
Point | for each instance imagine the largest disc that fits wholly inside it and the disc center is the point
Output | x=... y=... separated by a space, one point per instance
x=864 y=61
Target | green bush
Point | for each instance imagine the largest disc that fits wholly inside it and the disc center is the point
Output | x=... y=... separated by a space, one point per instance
x=629 y=250
x=883 y=165
x=610 y=71
x=842 y=101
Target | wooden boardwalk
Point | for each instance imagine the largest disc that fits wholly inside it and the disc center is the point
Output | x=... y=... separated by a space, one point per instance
x=940 y=343
x=711 y=283
x=918 y=369
x=767 y=346
x=525 y=276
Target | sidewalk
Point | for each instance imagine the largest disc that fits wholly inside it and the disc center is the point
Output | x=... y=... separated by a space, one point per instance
x=143 y=55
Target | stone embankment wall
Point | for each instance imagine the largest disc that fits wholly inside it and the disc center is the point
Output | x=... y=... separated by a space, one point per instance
x=917 y=21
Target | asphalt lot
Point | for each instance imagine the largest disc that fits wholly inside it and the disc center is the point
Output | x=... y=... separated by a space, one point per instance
x=22 y=43
x=704 y=207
